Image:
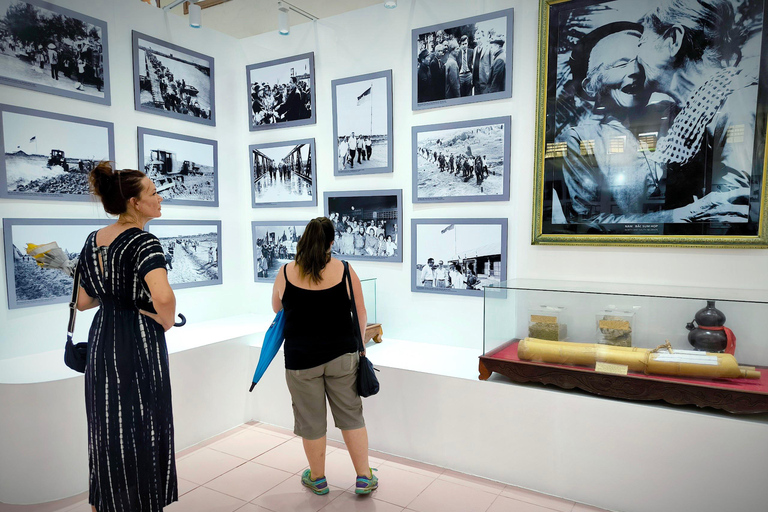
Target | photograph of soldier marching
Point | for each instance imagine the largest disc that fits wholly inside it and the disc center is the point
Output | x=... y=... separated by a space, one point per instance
x=46 y=156
x=366 y=226
x=274 y=246
x=43 y=46
x=174 y=81
x=280 y=93
x=461 y=162
x=282 y=173
x=191 y=252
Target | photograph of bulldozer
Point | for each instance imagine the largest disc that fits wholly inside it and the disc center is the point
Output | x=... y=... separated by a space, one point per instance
x=178 y=178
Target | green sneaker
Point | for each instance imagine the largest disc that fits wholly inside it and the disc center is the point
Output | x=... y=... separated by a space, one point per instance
x=367 y=485
x=319 y=486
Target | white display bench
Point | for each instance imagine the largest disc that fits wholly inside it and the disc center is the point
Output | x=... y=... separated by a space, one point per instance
x=617 y=455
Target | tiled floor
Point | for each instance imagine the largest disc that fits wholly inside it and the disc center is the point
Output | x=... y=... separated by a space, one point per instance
x=256 y=468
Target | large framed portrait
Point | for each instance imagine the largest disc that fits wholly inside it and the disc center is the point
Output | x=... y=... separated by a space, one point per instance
x=283 y=174
x=29 y=284
x=465 y=161
x=274 y=245
x=192 y=251
x=281 y=92
x=651 y=123
x=171 y=81
x=47 y=48
x=369 y=224
x=458 y=256
x=463 y=61
x=185 y=169
x=48 y=156
x=362 y=124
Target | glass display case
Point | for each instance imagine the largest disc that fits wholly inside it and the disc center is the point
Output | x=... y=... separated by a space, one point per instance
x=373 y=331
x=702 y=346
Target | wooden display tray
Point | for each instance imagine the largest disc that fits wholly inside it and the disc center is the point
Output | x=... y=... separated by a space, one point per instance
x=738 y=396
x=373 y=331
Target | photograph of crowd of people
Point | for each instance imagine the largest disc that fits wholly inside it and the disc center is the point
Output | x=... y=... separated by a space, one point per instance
x=653 y=121
x=49 y=156
x=368 y=224
x=281 y=92
x=362 y=123
x=463 y=61
x=192 y=251
x=466 y=161
x=51 y=49
x=274 y=245
x=283 y=174
x=183 y=168
x=458 y=256
x=172 y=81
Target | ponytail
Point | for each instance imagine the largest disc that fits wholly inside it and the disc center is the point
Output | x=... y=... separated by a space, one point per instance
x=115 y=188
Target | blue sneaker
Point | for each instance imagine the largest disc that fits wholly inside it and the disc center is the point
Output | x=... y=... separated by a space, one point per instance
x=319 y=486
x=367 y=485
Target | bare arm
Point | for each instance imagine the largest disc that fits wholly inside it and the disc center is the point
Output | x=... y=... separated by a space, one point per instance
x=85 y=301
x=277 y=292
x=362 y=315
x=163 y=298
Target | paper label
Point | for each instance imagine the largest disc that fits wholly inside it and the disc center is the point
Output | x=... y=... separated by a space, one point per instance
x=613 y=369
x=614 y=324
x=544 y=319
x=677 y=357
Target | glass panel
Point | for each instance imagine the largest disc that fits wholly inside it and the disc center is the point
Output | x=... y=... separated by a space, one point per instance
x=369 y=295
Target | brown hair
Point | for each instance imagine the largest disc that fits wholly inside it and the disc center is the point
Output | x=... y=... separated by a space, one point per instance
x=312 y=249
x=115 y=187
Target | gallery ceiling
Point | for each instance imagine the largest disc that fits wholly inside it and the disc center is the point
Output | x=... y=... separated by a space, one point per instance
x=244 y=18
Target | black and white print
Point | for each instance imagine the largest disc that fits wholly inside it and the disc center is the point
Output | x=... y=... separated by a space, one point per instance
x=51 y=49
x=362 y=124
x=458 y=256
x=49 y=156
x=283 y=174
x=368 y=224
x=463 y=61
x=184 y=169
x=282 y=92
x=466 y=161
x=274 y=245
x=654 y=125
x=29 y=284
x=192 y=251
x=172 y=81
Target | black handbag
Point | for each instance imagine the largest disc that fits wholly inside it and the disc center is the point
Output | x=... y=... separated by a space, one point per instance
x=367 y=383
x=75 y=354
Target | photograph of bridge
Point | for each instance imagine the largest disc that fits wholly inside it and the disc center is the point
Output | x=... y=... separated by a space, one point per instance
x=283 y=174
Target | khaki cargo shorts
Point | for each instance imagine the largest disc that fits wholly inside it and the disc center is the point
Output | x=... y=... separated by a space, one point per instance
x=336 y=379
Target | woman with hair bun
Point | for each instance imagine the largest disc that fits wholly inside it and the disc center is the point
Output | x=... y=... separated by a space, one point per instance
x=127 y=385
x=321 y=353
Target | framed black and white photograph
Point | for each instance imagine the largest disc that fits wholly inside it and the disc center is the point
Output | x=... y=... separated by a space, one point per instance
x=183 y=168
x=651 y=123
x=281 y=92
x=192 y=251
x=458 y=256
x=368 y=224
x=172 y=81
x=362 y=124
x=466 y=161
x=47 y=48
x=463 y=61
x=283 y=174
x=29 y=284
x=274 y=245
x=49 y=156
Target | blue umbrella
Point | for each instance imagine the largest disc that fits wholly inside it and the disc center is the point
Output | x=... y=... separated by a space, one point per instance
x=272 y=341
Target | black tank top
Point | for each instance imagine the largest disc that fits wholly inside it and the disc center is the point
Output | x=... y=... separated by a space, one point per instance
x=318 y=325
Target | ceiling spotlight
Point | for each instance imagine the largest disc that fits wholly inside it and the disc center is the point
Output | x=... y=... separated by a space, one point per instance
x=195 y=16
x=390 y=4
x=282 y=19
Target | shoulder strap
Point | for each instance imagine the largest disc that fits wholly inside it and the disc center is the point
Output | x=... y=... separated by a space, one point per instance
x=73 y=303
x=285 y=272
x=355 y=319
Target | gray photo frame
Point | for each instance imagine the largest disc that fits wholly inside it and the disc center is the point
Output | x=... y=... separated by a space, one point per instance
x=431 y=92
x=268 y=177
x=268 y=260
x=461 y=255
x=54 y=67
x=161 y=99
x=349 y=94
x=68 y=159
x=279 y=71
x=445 y=165
x=177 y=174
x=364 y=206
x=196 y=259
x=29 y=285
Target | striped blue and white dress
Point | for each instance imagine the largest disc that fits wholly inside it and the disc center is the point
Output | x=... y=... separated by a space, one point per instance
x=127 y=386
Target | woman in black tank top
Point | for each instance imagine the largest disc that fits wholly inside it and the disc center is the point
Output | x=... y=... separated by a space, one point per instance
x=321 y=352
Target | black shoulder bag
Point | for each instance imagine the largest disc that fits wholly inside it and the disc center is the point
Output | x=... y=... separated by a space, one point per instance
x=75 y=354
x=367 y=383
